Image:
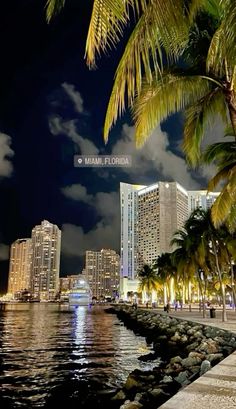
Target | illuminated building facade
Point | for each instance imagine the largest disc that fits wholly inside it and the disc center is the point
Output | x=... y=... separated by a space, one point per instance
x=20 y=266
x=201 y=199
x=129 y=238
x=102 y=272
x=46 y=247
x=162 y=209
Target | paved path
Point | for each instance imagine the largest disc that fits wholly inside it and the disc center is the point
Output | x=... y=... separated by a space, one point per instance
x=195 y=315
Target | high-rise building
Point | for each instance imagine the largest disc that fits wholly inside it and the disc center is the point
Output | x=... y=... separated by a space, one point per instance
x=46 y=246
x=149 y=217
x=129 y=218
x=20 y=266
x=162 y=209
x=102 y=272
x=201 y=199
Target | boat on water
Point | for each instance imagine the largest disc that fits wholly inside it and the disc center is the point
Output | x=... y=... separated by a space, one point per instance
x=80 y=294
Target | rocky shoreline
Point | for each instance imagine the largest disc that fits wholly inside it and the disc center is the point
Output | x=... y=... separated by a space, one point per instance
x=186 y=350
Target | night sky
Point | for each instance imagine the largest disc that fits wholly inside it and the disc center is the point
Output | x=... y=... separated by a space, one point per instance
x=51 y=108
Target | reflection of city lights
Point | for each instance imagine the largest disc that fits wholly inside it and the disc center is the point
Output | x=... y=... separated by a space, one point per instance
x=80 y=324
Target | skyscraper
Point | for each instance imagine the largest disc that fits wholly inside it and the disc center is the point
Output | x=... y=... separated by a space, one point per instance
x=162 y=209
x=201 y=199
x=129 y=239
x=102 y=270
x=20 y=266
x=46 y=246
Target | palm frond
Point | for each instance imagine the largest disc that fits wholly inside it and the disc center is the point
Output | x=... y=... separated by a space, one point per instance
x=164 y=97
x=221 y=207
x=193 y=7
x=226 y=202
x=229 y=31
x=128 y=78
x=216 y=152
x=53 y=7
x=215 y=8
x=229 y=130
x=106 y=27
x=212 y=7
x=230 y=222
x=216 y=54
x=197 y=118
x=159 y=27
x=221 y=176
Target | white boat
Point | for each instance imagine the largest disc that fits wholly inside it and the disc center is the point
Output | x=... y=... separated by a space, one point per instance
x=81 y=294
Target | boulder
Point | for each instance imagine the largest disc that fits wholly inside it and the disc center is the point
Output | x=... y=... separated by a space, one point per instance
x=131 y=405
x=156 y=392
x=176 y=360
x=167 y=379
x=205 y=366
x=193 y=346
x=132 y=382
x=209 y=346
x=119 y=396
x=191 y=361
x=214 y=358
x=182 y=377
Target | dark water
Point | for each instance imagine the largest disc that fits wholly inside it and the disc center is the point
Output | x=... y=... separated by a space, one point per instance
x=51 y=357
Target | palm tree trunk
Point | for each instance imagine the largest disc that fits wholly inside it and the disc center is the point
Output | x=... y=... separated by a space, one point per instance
x=232 y=114
x=231 y=103
x=190 y=295
x=233 y=284
x=222 y=287
x=165 y=294
x=202 y=290
x=143 y=296
x=183 y=294
x=172 y=290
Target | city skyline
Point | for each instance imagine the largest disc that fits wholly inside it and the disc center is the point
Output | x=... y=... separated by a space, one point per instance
x=138 y=255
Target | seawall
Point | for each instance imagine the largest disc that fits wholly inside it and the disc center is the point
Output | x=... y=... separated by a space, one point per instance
x=187 y=350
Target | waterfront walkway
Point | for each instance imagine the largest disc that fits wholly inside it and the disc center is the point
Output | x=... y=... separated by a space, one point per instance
x=216 y=389
x=196 y=316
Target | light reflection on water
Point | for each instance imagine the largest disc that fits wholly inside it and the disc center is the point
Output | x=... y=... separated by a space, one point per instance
x=45 y=349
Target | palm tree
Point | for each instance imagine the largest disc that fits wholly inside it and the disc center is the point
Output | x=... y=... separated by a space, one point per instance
x=223 y=154
x=165 y=272
x=214 y=244
x=190 y=260
x=148 y=280
x=182 y=260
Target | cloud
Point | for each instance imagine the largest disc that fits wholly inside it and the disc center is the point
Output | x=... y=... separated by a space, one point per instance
x=74 y=96
x=104 y=202
x=6 y=152
x=105 y=234
x=4 y=252
x=154 y=157
x=58 y=126
x=77 y=192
